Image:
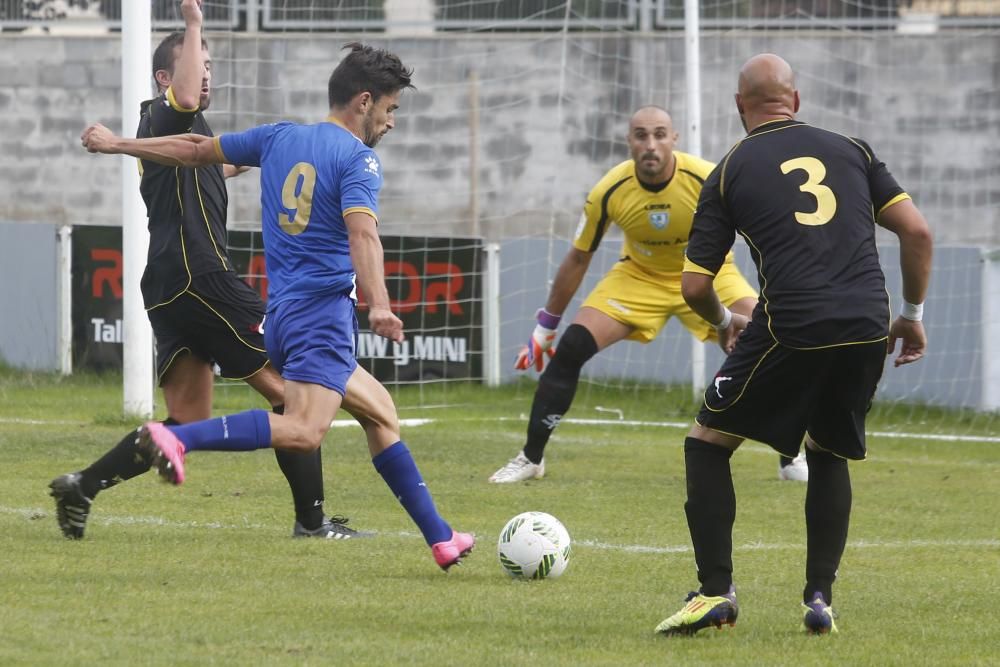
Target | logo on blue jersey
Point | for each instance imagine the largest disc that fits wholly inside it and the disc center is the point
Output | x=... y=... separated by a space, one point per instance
x=371 y=165
x=659 y=219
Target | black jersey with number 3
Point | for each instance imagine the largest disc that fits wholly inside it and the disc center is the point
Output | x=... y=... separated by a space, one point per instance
x=805 y=200
x=186 y=208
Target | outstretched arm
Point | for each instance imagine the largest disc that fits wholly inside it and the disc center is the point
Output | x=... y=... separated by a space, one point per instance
x=178 y=150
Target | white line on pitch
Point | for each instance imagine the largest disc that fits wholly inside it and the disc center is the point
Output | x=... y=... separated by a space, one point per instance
x=35 y=513
x=18 y=420
x=761 y=546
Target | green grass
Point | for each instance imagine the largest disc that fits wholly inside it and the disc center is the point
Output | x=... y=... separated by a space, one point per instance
x=207 y=573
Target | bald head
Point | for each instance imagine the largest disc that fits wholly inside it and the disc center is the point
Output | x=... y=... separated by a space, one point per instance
x=766 y=90
x=651 y=116
x=651 y=139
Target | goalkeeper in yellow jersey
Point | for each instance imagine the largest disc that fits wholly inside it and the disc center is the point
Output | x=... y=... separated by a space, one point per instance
x=652 y=197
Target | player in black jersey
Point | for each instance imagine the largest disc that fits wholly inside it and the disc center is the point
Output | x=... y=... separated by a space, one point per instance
x=808 y=361
x=201 y=312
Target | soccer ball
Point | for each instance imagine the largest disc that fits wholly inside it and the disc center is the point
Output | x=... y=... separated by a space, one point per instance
x=534 y=545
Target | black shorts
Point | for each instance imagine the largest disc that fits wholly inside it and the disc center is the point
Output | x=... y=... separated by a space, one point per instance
x=217 y=319
x=775 y=394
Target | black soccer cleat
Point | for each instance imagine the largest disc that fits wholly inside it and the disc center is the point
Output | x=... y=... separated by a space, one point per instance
x=72 y=507
x=332 y=528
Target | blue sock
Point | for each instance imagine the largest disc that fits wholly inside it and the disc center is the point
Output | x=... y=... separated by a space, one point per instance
x=400 y=472
x=244 y=431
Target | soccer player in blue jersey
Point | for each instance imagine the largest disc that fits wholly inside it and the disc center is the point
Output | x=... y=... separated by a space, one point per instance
x=201 y=311
x=319 y=199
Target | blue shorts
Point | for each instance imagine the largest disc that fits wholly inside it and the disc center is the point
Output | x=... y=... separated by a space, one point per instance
x=312 y=340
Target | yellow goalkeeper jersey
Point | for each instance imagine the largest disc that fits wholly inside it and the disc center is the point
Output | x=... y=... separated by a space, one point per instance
x=656 y=224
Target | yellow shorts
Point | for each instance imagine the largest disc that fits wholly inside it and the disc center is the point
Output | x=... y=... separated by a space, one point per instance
x=633 y=297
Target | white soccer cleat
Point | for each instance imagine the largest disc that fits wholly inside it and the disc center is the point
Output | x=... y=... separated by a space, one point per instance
x=518 y=469
x=796 y=471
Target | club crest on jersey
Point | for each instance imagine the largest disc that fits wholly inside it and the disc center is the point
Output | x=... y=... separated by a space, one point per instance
x=371 y=165
x=659 y=219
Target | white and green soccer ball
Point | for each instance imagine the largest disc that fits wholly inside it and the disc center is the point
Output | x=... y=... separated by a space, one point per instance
x=534 y=545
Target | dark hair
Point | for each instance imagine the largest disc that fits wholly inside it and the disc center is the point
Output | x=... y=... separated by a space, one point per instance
x=164 y=56
x=367 y=69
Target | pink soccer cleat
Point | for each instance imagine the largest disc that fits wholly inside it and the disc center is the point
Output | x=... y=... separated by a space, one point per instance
x=451 y=552
x=163 y=450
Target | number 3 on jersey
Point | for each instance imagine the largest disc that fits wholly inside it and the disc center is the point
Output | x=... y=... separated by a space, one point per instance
x=296 y=199
x=826 y=202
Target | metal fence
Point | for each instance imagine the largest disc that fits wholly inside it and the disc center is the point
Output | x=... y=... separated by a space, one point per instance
x=519 y=15
x=18 y=14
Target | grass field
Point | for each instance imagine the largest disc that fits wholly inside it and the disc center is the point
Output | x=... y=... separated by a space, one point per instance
x=207 y=573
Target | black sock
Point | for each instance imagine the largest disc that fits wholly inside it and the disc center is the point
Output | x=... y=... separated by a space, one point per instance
x=121 y=462
x=556 y=388
x=828 y=513
x=785 y=460
x=304 y=472
x=711 y=511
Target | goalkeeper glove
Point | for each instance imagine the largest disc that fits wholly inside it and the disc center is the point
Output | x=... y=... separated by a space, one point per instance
x=540 y=343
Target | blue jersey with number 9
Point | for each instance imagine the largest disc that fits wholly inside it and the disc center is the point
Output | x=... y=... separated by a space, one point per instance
x=311 y=177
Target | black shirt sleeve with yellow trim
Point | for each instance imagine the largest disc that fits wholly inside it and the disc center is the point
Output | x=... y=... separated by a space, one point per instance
x=881 y=183
x=167 y=117
x=712 y=232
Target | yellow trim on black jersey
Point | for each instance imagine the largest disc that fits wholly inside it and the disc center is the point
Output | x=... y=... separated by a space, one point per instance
x=177 y=107
x=895 y=200
x=204 y=216
x=360 y=209
x=177 y=180
x=691 y=267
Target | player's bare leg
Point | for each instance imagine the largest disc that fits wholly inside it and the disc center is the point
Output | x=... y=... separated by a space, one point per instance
x=303 y=471
x=368 y=401
x=590 y=332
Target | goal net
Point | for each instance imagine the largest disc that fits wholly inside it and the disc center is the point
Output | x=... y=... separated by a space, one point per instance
x=522 y=105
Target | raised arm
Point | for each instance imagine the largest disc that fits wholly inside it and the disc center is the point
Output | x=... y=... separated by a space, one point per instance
x=369 y=265
x=189 y=69
x=178 y=150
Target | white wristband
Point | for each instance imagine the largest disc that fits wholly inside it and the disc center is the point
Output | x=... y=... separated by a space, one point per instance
x=911 y=311
x=727 y=319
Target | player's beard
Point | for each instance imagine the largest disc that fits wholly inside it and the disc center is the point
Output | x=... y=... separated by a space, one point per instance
x=650 y=174
x=204 y=101
x=369 y=136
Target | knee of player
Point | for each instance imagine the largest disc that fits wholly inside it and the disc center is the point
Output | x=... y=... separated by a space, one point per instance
x=380 y=420
x=304 y=437
x=576 y=346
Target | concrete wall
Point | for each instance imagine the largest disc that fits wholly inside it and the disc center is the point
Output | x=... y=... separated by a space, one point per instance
x=29 y=298
x=929 y=105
